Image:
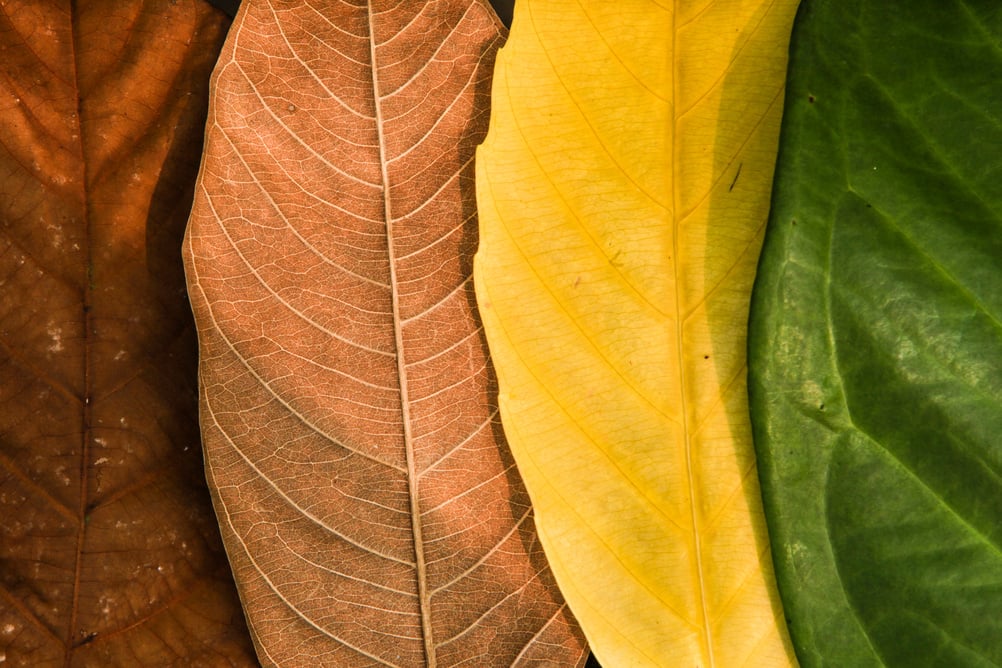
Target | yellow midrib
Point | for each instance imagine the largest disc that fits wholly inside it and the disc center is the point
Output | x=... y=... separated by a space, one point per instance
x=706 y=642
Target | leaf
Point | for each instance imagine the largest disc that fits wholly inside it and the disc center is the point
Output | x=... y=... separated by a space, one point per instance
x=109 y=555
x=876 y=343
x=623 y=190
x=370 y=507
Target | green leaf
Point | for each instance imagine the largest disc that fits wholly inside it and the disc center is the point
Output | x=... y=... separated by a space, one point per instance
x=876 y=336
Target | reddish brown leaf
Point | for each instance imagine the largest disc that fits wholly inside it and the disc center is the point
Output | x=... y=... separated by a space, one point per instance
x=109 y=555
x=369 y=505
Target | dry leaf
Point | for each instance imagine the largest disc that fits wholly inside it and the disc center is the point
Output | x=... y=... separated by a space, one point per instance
x=108 y=550
x=371 y=510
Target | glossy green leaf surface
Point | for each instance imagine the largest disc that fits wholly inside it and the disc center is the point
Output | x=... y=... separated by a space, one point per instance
x=876 y=336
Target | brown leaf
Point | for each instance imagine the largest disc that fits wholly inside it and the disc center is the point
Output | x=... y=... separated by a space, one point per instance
x=369 y=505
x=109 y=555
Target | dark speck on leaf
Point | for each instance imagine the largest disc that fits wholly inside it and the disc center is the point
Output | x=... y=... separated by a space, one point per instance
x=736 y=175
x=86 y=639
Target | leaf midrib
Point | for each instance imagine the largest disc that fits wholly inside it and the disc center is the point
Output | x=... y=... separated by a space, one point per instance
x=706 y=642
x=88 y=379
x=412 y=477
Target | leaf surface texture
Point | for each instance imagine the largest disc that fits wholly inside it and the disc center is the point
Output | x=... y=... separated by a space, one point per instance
x=623 y=192
x=109 y=553
x=371 y=510
x=876 y=338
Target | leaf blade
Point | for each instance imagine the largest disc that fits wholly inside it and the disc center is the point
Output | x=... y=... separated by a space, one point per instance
x=328 y=255
x=110 y=555
x=900 y=245
x=614 y=308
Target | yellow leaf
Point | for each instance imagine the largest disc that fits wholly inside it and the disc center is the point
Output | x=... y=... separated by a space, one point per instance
x=623 y=191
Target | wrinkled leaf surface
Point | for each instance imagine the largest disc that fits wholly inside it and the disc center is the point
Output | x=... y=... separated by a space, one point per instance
x=109 y=555
x=370 y=508
x=623 y=192
x=876 y=341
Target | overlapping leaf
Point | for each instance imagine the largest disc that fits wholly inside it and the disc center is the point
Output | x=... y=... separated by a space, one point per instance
x=877 y=336
x=108 y=550
x=370 y=508
x=623 y=190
